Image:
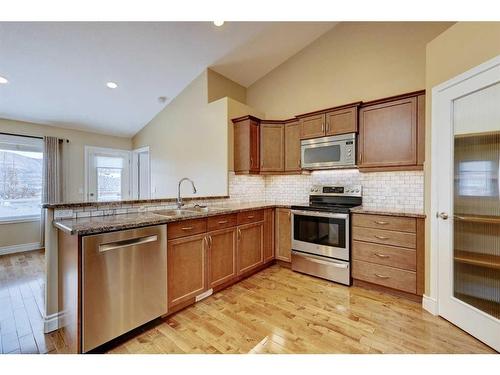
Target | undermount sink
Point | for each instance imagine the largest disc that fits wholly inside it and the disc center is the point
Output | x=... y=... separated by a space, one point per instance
x=204 y=209
x=172 y=212
x=187 y=210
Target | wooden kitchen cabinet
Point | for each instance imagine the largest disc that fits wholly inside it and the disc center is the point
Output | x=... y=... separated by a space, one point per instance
x=312 y=126
x=283 y=246
x=292 y=147
x=246 y=145
x=221 y=256
x=272 y=143
x=250 y=248
x=268 y=235
x=391 y=134
x=186 y=268
x=341 y=121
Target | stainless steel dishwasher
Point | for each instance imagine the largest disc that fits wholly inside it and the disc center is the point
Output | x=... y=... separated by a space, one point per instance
x=124 y=282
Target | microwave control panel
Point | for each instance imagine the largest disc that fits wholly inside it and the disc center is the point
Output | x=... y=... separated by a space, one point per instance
x=349 y=151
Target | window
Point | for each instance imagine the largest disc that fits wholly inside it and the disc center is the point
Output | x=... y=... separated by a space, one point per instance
x=21 y=160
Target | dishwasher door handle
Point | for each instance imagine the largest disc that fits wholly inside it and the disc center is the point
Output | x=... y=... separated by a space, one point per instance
x=126 y=243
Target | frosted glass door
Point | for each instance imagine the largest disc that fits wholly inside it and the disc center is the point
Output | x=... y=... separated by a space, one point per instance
x=466 y=156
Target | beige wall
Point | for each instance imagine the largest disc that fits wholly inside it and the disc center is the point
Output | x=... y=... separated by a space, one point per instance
x=458 y=49
x=188 y=138
x=219 y=87
x=354 y=61
x=22 y=233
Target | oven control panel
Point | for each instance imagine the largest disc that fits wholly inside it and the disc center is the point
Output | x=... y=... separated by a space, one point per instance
x=351 y=190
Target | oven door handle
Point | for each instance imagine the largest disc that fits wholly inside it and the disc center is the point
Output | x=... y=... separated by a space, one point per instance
x=314 y=259
x=320 y=214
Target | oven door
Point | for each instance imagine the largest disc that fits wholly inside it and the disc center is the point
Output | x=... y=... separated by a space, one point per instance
x=321 y=233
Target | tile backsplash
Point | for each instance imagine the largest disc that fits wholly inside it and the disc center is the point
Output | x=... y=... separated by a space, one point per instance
x=381 y=190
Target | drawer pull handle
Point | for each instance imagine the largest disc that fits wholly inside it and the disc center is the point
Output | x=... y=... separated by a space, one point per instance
x=250 y=216
x=382 y=255
x=381 y=276
x=381 y=222
x=222 y=222
x=381 y=237
x=187 y=228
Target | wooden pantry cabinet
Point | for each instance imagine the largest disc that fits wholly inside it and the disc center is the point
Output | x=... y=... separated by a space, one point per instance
x=392 y=133
x=388 y=251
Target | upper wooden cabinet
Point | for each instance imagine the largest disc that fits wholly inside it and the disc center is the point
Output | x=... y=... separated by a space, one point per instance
x=334 y=121
x=246 y=144
x=341 y=121
x=312 y=126
x=292 y=147
x=391 y=133
x=272 y=144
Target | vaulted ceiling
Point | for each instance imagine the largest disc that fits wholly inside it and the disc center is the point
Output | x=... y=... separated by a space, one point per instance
x=57 y=71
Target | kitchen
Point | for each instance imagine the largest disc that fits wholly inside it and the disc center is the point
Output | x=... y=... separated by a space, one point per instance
x=276 y=215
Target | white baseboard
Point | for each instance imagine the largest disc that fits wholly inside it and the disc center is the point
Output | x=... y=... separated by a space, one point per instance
x=51 y=322
x=430 y=304
x=20 y=248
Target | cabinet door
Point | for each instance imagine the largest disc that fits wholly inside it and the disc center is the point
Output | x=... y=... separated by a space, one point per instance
x=246 y=146
x=388 y=134
x=221 y=256
x=272 y=142
x=312 y=126
x=342 y=121
x=268 y=235
x=250 y=246
x=283 y=234
x=292 y=147
x=186 y=268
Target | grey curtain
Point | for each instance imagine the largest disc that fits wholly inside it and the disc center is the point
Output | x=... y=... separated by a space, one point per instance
x=52 y=191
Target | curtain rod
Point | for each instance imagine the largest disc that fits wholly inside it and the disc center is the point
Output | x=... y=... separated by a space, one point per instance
x=31 y=136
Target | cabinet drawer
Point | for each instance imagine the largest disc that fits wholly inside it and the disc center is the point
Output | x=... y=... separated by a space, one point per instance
x=221 y=222
x=403 y=224
x=383 y=275
x=186 y=228
x=392 y=256
x=385 y=237
x=247 y=217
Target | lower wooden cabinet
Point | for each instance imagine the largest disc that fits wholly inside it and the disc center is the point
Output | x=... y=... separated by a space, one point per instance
x=283 y=234
x=221 y=256
x=250 y=247
x=268 y=235
x=186 y=268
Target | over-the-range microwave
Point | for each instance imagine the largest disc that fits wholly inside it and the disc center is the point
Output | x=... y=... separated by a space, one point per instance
x=338 y=151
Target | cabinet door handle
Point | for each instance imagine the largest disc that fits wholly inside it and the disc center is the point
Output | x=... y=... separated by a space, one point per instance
x=251 y=162
x=323 y=127
x=205 y=241
x=239 y=234
x=381 y=222
x=360 y=157
x=381 y=276
x=222 y=222
x=381 y=237
x=250 y=216
x=211 y=242
x=381 y=255
x=187 y=228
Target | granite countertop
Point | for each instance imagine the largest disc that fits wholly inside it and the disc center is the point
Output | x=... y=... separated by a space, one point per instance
x=101 y=224
x=387 y=212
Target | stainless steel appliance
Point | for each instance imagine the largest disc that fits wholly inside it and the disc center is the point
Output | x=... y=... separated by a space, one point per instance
x=338 y=151
x=321 y=232
x=124 y=282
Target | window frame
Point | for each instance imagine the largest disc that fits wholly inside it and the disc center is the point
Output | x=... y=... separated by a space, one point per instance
x=25 y=141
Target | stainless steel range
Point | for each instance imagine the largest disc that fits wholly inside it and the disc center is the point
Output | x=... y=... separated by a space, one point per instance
x=321 y=233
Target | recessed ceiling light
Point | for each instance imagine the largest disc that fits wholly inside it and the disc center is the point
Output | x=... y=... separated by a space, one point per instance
x=112 y=85
x=3 y=80
x=218 y=23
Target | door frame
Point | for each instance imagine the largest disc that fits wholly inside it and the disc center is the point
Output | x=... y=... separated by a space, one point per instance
x=134 y=171
x=93 y=149
x=442 y=97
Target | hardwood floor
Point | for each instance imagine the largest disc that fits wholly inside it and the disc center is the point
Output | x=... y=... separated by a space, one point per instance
x=274 y=311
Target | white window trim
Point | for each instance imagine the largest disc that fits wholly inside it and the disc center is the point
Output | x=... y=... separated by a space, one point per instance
x=133 y=170
x=21 y=218
x=93 y=149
